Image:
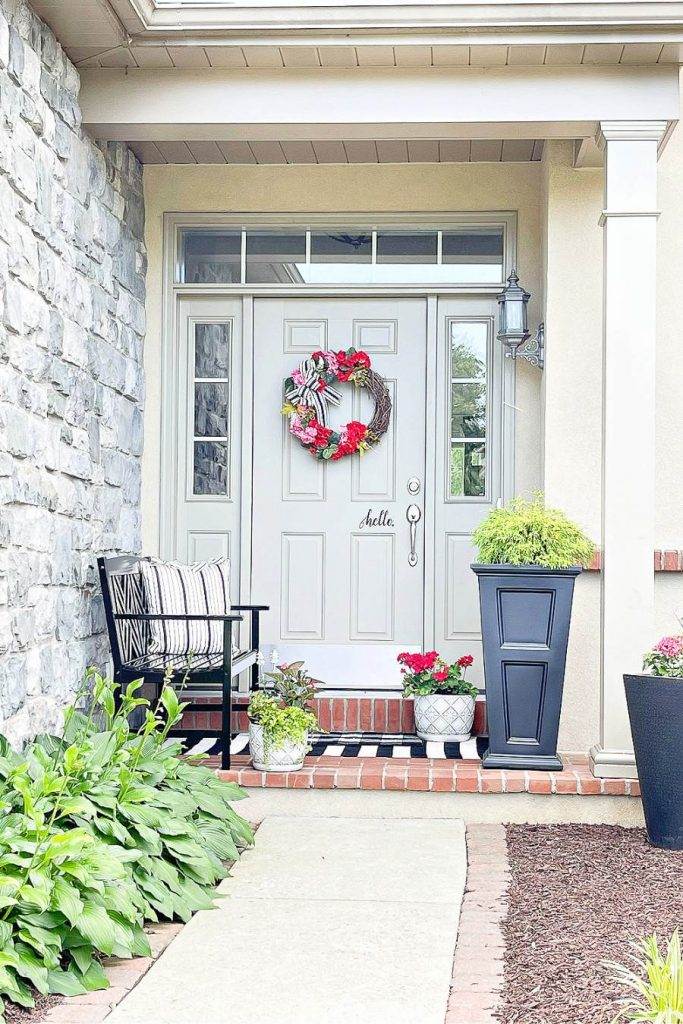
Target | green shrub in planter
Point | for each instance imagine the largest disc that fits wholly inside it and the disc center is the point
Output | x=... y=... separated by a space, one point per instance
x=528 y=533
x=101 y=830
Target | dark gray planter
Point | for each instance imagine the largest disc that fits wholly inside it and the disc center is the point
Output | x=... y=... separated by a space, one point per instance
x=655 y=710
x=525 y=614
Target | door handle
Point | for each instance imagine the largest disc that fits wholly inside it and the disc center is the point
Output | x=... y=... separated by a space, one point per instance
x=413 y=515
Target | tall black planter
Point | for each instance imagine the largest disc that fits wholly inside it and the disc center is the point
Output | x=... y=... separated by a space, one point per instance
x=655 y=709
x=525 y=614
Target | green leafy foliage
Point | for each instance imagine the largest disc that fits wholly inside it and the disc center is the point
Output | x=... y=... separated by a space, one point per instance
x=528 y=533
x=655 y=978
x=280 y=723
x=101 y=830
x=292 y=684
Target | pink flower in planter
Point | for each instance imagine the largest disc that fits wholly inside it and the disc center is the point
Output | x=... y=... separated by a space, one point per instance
x=670 y=646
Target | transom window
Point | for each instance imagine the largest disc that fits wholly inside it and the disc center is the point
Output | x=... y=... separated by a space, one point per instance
x=468 y=420
x=350 y=255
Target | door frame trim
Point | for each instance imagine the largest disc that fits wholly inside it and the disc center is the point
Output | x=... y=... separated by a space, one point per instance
x=173 y=291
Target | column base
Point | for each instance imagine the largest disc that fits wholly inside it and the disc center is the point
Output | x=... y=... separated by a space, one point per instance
x=612 y=764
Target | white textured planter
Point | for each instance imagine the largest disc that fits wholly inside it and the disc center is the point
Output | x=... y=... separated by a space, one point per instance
x=444 y=717
x=287 y=758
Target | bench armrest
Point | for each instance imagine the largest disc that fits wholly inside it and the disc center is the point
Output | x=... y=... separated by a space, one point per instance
x=250 y=607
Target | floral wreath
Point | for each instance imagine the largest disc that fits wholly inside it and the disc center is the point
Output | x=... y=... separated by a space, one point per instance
x=310 y=389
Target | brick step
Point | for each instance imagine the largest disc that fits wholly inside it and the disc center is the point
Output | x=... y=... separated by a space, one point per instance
x=392 y=714
x=429 y=775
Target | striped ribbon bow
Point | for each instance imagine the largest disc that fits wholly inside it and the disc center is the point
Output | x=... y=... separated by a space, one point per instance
x=307 y=392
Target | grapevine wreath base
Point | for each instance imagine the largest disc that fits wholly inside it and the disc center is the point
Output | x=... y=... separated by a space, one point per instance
x=310 y=389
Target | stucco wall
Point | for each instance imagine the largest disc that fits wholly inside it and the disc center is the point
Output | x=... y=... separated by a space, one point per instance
x=560 y=261
x=572 y=413
x=72 y=318
x=340 y=188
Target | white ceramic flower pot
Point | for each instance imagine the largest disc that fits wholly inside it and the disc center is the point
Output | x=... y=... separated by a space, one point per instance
x=266 y=758
x=444 y=717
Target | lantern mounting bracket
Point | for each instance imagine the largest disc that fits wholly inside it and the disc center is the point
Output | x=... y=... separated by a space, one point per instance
x=533 y=349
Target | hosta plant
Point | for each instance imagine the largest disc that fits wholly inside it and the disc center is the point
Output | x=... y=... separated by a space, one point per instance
x=655 y=978
x=100 y=830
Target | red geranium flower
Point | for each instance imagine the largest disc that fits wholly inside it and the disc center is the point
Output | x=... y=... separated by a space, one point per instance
x=441 y=676
x=417 y=663
x=465 y=661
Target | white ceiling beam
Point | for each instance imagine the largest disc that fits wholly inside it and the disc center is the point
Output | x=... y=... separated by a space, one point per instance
x=210 y=103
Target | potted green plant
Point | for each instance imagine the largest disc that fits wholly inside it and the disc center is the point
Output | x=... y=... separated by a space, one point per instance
x=654 y=977
x=444 y=699
x=280 y=720
x=528 y=559
x=655 y=709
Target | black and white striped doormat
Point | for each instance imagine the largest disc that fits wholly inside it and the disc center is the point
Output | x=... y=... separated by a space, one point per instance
x=359 y=744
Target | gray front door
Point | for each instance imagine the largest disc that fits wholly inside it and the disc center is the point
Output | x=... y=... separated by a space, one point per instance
x=331 y=541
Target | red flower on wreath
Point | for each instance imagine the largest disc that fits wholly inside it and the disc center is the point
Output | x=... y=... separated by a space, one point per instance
x=322 y=435
x=348 y=362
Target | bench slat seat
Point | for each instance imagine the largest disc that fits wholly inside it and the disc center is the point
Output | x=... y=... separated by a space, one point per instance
x=199 y=665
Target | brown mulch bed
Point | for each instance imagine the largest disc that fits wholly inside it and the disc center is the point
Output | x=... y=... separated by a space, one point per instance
x=23 y=1015
x=579 y=894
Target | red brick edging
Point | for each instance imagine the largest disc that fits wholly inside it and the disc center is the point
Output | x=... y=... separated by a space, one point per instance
x=478 y=964
x=670 y=560
x=428 y=775
x=123 y=975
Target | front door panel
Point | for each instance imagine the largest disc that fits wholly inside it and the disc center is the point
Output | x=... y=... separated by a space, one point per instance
x=331 y=541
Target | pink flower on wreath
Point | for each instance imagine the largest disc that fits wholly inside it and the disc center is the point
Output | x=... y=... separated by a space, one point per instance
x=298 y=377
x=331 y=361
x=670 y=646
x=306 y=434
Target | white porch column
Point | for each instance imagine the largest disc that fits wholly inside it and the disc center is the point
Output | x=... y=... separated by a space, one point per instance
x=628 y=405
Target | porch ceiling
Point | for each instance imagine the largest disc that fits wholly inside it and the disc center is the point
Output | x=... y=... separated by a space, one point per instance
x=364 y=33
x=183 y=54
x=330 y=151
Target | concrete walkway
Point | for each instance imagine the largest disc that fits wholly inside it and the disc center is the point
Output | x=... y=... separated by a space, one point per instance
x=326 y=921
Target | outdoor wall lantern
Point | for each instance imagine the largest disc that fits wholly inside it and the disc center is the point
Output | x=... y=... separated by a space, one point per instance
x=513 y=328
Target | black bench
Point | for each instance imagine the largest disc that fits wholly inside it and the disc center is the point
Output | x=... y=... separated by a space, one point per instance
x=128 y=620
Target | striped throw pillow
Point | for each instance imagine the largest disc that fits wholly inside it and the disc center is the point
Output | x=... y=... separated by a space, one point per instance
x=175 y=589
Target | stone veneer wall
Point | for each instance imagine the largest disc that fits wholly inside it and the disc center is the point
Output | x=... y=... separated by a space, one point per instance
x=72 y=279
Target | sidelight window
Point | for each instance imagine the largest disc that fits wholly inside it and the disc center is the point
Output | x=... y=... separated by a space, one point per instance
x=468 y=414
x=210 y=398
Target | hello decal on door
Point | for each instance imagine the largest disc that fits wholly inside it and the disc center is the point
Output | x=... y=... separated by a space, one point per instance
x=381 y=519
x=310 y=389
